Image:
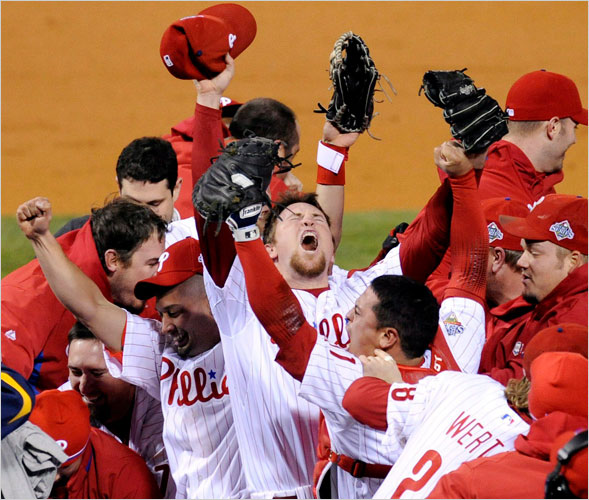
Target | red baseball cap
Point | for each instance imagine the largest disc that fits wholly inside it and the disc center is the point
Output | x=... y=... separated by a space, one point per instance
x=66 y=418
x=492 y=208
x=194 y=47
x=180 y=261
x=540 y=95
x=559 y=218
x=565 y=337
x=558 y=383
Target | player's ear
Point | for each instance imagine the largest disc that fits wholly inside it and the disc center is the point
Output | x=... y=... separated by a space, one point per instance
x=271 y=249
x=389 y=336
x=497 y=259
x=111 y=259
x=553 y=127
x=176 y=190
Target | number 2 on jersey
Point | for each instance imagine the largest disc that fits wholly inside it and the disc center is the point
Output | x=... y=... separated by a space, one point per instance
x=431 y=458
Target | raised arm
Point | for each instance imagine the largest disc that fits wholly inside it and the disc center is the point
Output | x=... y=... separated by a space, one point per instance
x=332 y=155
x=218 y=251
x=76 y=291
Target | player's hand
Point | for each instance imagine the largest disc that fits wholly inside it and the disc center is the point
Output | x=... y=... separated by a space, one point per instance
x=211 y=91
x=292 y=181
x=451 y=158
x=382 y=366
x=34 y=216
x=332 y=135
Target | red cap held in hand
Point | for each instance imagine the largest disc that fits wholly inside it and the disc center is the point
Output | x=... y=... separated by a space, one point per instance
x=194 y=48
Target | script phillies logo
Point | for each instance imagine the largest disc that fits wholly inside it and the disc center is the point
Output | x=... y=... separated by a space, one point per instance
x=190 y=387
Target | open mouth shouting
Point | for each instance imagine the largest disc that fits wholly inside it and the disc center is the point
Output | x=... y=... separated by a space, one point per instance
x=309 y=241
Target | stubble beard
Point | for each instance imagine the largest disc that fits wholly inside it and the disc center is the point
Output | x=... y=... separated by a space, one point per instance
x=308 y=269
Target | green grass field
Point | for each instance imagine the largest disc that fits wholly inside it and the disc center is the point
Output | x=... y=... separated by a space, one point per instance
x=363 y=234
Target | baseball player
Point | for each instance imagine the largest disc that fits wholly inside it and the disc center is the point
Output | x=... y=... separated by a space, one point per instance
x=327 y=370
x=119 y=246
x=117 y=407
x=439 y=422
x=178 y=361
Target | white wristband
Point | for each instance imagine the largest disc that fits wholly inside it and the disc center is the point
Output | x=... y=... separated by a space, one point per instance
x=246 y=233
x=328 y=158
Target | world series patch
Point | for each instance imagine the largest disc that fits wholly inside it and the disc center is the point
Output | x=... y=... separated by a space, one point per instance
x=453 y=326
x=562 y=230
x=494 y=232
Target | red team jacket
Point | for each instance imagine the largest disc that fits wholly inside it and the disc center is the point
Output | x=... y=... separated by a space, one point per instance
x=514 y=324
x=109 y=469
x=507 y=172
x=34 y=323
x=513 y=474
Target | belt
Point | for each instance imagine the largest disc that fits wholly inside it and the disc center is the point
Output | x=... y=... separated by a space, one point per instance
x=357 y=468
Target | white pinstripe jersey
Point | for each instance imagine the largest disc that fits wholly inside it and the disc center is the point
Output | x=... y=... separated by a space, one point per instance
x=145 y=436
x=180 y=229
x=198 y=424
x=443 y=421
x=277 y=430
x=331 y=370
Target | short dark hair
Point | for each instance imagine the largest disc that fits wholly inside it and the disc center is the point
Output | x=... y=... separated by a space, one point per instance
x=511 y=258
x=124 y=225
x=80 y=332
x=410 y=308
x=268 y=118
x=285 y=200
x=148 y=159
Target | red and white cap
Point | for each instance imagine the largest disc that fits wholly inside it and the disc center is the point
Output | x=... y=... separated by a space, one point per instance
x=194 y=47
x=64 y=416
x=540 y=95
x=559 y=218
x=498 y=236
x=180 y=261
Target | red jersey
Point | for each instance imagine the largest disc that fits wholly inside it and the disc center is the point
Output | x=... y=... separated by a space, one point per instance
x=109 y=469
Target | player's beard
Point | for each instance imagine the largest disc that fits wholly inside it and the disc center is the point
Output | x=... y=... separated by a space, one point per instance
x=308 y=269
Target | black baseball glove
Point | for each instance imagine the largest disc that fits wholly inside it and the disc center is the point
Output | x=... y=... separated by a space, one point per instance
x=237 y=180
x=354 y=78
x=476 y=119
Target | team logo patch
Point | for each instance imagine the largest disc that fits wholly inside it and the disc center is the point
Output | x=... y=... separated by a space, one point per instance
x=453 y=326
x=562 y=230
x=62 y=443
x=494 y=232
x=507 y=418
x=231 y=40
x=518 y=348
x=510 y=112
x=10 y=334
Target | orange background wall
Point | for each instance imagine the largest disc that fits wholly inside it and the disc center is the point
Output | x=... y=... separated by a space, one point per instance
x=80 y=80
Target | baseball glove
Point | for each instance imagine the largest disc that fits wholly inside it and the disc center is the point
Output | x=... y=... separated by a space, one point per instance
x=476 y=119
x=354 y=76
x=238 y=179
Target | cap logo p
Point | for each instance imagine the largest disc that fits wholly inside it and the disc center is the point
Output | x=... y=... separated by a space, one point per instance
x=510 y=112
x=163 y=257
x=224 y=101
x=562 y=230
x=168 y=61
x=232 y=39
x=62 y=443
x=494 y=232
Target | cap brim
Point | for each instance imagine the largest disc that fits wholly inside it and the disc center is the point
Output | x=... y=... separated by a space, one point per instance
x=518 y=226
x=581 y=117
x=157 y=285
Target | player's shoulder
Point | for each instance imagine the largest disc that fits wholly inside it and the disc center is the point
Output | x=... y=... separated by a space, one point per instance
x=180 y=229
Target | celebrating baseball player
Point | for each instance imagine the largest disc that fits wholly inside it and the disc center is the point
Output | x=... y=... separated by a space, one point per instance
x=178 y=361
x=395 y=314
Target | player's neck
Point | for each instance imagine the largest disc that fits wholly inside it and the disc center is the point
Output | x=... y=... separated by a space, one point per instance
x=299 y=282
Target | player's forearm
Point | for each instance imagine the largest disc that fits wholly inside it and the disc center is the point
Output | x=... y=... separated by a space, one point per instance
x=78 y=293
x=469 y=241
x=277 y=308
x=425 y=241
x=331 y=179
